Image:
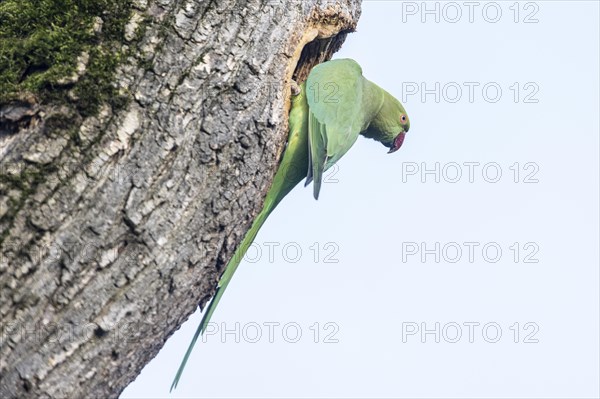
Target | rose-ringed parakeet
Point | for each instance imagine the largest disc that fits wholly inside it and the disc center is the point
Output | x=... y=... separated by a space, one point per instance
x=333 y=106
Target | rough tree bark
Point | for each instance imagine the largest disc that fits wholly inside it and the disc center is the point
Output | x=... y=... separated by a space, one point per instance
x=116 y=226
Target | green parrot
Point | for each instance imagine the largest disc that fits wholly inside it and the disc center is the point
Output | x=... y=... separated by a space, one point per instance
x=333 y=106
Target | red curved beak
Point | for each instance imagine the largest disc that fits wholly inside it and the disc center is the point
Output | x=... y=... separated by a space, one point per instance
x=397 y=142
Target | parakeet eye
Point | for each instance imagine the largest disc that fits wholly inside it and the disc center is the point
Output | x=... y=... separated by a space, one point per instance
x=403 y=119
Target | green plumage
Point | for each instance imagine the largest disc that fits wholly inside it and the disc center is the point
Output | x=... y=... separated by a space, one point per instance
x=334 y=106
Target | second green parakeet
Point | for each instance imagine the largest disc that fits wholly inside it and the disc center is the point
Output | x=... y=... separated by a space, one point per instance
x=333 y=106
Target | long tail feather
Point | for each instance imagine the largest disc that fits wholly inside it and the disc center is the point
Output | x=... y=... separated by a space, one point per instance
x=290 y=172
x=223 y=282
x=199 y=331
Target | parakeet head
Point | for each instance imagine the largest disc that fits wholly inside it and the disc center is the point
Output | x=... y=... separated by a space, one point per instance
x=390 y=125
x=396 y=143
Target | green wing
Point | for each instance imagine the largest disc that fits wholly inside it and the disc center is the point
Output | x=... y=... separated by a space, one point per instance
x=334 y=91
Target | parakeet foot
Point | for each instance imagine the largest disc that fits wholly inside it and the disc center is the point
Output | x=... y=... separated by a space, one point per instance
x=295 y=88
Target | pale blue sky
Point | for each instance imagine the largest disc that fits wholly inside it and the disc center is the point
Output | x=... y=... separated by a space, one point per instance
x=378 y=212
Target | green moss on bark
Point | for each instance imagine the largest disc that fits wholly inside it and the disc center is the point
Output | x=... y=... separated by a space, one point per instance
x=43 y=44
x=42 y=40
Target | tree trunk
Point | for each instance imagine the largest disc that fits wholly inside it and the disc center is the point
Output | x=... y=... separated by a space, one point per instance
x=116 y=225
